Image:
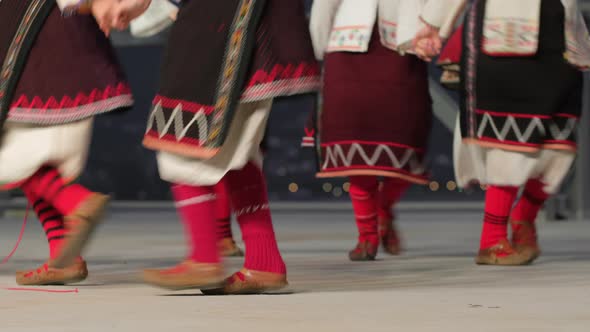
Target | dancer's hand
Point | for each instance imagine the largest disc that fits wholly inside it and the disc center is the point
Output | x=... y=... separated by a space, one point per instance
x=174 y=14
x=427 y=43
x=103 y=10
x=117 y=14
x=127 y=10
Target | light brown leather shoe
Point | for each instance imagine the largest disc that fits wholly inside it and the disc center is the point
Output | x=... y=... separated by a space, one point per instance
x=389 y=236
x=503 y=254
x=524 y=237
x=80 y=225
x=47 y=275
x=250 y=282
x=186 y=275
x=228 y=248
x=364 y=251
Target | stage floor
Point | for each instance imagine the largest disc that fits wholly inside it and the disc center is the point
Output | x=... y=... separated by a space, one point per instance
x=434 y=286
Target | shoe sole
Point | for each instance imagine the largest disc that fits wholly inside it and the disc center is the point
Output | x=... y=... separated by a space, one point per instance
x=366 y=258
x=210 y=286
x=155 y=281
x=260 y=291
x=76 y=244
x=55 y=282
x=362 y=259
x=490 y=261
x=535 y=253
x=248 y=291
x=535 y=256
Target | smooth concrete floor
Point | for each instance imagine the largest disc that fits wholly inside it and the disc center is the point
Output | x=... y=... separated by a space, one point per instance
x=433 y=286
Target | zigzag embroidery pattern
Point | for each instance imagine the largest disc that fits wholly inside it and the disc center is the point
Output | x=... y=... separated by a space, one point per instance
x=23 y=103
x=568 y=130
x=335 y=157
x=523 y=136
x=280 y=72
x=176 y=119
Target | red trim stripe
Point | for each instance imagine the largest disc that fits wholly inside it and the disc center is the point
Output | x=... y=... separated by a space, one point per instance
x=350 y=142
x=516 y=115
x=381 y=168
x=187 y=106
x=508 y=142
x=172 y=138
x=569 y=116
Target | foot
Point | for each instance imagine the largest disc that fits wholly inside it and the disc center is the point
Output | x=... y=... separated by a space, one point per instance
x=80 y=225
x=48 y=275
x=389 y=236
x=228 y=248
x=524 y=237
x=503 y=254
x=186 y=275
x=364 y=251
x=250 y=282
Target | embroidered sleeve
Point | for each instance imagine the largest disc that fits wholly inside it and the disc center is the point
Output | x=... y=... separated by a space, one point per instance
x=578 y=40
x=442 y=14
x=321 y=21
x=71 y=7
x=157 y=18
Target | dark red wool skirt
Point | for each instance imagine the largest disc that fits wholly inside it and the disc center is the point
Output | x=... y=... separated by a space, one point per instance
x=70 y=74
x=376 y=115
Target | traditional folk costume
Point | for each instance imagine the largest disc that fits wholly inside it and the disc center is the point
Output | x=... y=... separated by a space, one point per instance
x=159 y=16
x=57 y=74
x=377 y=111
x=521 y=95
x=226 y=61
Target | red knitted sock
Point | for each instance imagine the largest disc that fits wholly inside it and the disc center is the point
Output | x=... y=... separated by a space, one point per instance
x=48 y=184
x=390 y=192
x=196 y=205
x=249 y=199
x=363 y=193
x=531 y=202
x=499 y=202
x=223 y=211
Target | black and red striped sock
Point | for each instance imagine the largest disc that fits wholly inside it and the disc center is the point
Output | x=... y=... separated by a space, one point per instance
x=52 y=223
x=48 y=184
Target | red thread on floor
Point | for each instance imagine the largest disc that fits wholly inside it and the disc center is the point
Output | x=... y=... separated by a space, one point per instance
x=75 y=290
x=7 y=258
x=20 y=238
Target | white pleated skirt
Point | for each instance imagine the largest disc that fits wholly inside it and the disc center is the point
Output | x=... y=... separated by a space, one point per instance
x=241 y=146
x=25 y=148
x=493 y=166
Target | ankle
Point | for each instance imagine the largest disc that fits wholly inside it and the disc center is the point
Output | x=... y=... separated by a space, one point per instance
x=372 y=239
x=263 y=254
x=489 y=243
